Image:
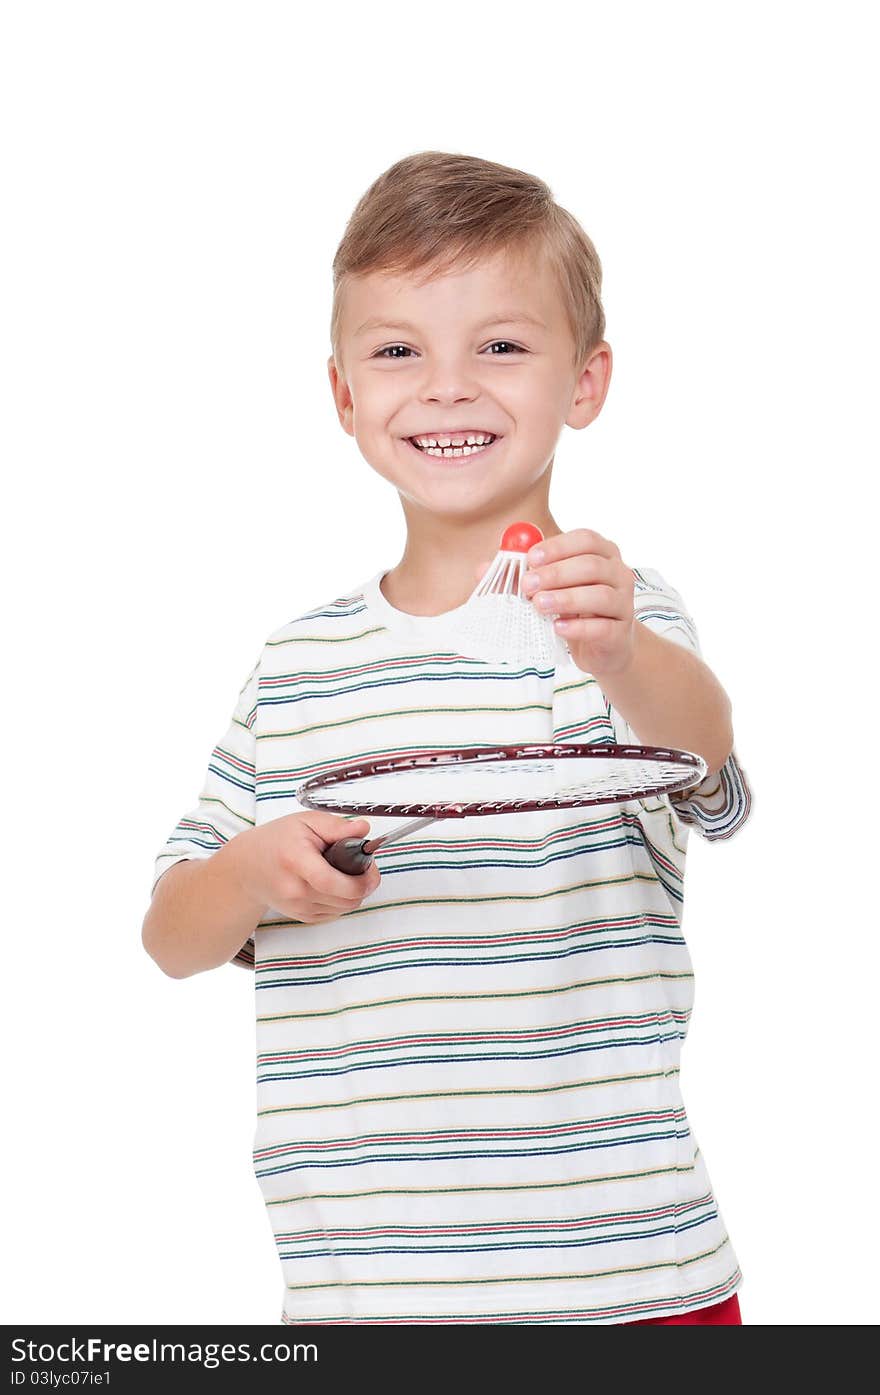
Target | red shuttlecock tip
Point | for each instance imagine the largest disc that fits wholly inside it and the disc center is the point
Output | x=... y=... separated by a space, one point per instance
x=519 y=537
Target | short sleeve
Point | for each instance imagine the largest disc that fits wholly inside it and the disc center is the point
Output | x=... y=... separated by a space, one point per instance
x=227 y=801
x=720 y=805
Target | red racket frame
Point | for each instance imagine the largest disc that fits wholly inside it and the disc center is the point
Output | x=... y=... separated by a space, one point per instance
x=476 y=754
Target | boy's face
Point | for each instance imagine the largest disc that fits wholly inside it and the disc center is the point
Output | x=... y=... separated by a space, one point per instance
x=485 y=351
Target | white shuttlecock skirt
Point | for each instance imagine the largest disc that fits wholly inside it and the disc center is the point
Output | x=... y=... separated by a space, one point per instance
x=500 y=624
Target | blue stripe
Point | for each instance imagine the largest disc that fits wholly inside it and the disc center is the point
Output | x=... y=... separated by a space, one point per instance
x=247 y=786
x=487 y=961
x=495 y=1153
x=269 y=698
x=522 y=863
x=578 y=1244
x=194 y=842
x=737 y=804
x=523 y=1057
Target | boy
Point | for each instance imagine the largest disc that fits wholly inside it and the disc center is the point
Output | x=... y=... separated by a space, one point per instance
x=468 y=1056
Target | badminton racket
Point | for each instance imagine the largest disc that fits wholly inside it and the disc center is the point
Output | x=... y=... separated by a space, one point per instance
x=476 y=781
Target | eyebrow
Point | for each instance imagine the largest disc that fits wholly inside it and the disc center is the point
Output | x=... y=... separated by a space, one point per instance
x=514 y=317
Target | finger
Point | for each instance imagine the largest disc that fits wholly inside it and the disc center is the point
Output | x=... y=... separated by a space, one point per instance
x=336 y=904
x=585 y=601
x=481 y=569
x=327 y=908
x=570 y=544
x=597 y=632
x=360 y=884
x=318 y=912
x=582 y=570
x=339 y=905
x=328 y=883
x=328 y=828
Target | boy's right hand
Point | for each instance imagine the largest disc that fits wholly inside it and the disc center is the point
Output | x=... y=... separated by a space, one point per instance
x=280 y=866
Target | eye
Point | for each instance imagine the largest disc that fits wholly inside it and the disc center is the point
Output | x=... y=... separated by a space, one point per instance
x=398 y=351
x=389 y=350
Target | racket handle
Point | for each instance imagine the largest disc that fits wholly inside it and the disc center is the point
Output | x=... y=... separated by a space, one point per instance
x=348 y=856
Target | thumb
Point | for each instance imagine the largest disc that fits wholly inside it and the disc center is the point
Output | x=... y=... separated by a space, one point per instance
x=481 y=569
x=331 y=827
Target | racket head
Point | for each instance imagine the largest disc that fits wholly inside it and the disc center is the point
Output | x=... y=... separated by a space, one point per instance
x=601 y=773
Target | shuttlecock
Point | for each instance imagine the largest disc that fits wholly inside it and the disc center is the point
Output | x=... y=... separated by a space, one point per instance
x=497 y=621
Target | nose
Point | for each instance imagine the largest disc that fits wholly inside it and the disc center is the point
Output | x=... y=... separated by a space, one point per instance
x=448 y=380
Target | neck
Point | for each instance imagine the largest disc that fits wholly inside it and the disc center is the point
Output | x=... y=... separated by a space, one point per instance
x=440 y=564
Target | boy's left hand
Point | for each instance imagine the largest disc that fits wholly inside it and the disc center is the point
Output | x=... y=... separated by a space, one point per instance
x=589 y=586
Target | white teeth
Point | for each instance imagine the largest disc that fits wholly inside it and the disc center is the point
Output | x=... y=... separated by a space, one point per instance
x=453 y=445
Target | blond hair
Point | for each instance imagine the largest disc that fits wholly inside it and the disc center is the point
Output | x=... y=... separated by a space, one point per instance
x=432 y=211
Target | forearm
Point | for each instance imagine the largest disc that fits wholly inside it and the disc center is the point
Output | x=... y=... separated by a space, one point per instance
x=200 y=914
x=670 y=697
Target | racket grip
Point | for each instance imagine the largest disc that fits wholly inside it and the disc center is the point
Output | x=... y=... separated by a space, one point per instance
x=348 y=856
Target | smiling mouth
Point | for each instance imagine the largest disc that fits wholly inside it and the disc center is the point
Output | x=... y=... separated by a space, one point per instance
x=453 y=445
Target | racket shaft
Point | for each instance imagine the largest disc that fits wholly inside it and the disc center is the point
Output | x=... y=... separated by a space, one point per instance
x=354 y=855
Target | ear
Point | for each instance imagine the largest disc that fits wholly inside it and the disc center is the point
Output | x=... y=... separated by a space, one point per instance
x=333 y=373
x=591 y=387
x=341 y=396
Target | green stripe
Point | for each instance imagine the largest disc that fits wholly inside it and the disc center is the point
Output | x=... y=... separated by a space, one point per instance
x=577 y=687
x=409 y=662
x=233 y=813
x=323 y=639
x=473 y=997
x=590 y=925
x=479 y=900
x=512 y=1278
x=591 y=1221
x=469 y=1094
x=488 y=1190
x=402 y=712
x=600 y=1314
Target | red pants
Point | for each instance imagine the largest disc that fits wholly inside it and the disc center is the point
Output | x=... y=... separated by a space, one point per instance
x=724 y=1314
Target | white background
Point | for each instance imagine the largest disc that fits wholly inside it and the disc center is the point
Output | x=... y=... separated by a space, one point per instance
x=176 y=177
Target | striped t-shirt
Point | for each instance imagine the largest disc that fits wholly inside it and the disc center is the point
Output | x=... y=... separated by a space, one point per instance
x=468 y=1087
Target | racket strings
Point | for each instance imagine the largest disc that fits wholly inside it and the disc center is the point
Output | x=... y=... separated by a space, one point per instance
x=465 y=787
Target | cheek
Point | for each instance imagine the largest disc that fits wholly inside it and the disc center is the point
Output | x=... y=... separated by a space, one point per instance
x=378 y=389
x=538 y=398
x=373 y=399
